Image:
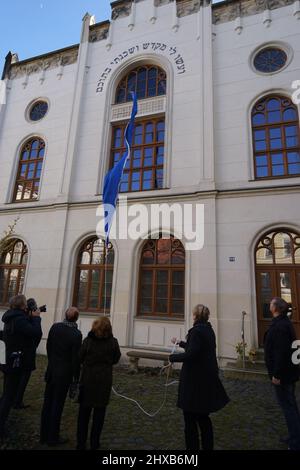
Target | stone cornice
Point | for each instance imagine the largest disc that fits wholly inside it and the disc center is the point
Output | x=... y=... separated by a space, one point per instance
x=229 y=10
x=164 y=197
x=59 y=58
x=122 y=8
x=99 y=31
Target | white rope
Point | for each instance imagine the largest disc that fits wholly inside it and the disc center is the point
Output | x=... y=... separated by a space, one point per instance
x=168 y=366
x=152 y=415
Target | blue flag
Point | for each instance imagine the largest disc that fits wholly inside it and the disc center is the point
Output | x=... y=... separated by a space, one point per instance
x=113 y=177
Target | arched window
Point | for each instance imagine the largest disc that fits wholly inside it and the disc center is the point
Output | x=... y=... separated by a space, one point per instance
x=162 y=279
x=29 y=170
x=144 y=170
x=13 y=262
x=276 y=138
x=147 y=81
x=94 y=276
x=277 y=258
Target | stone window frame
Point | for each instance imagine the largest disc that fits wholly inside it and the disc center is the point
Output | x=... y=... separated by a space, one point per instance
x=30 y=106
x=278 y=45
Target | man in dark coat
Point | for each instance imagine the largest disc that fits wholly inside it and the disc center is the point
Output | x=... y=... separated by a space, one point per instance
x=29 y=364
x=63 y=346
x=283 y=373
x=20 y=332
x=200 y=390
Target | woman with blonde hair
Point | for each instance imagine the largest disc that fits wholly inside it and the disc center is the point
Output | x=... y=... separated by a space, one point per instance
x=200 y=390
x=99 y=352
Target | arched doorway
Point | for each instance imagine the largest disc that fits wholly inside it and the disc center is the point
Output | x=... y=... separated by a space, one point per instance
x=277 y=266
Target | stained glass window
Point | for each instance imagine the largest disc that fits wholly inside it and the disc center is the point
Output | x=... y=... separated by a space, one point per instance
x=147 y=81
x=38 y=110
x=270 y=59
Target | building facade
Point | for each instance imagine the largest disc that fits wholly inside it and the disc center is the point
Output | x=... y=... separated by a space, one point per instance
x=217 y=125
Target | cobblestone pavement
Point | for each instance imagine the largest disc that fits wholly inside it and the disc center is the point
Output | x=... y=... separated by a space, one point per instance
x=252 y=420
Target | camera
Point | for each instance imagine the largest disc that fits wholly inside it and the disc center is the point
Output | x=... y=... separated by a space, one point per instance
x=32 y=306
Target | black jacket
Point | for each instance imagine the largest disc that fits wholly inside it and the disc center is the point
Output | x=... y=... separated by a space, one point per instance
x=98 y=355
x=278 y=350
x=63 y=345
x=22 y=333
x=200 y=389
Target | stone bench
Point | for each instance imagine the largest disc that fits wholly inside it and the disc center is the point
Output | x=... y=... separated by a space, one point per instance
x=135 y=356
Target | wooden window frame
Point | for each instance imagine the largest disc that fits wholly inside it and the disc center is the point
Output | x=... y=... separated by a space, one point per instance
x=20 y=267
x=90 y=268
x=155 y=144
x=266 y=127
x=170 y=268
x=123 y=84
x=274 y=269
x=35 y=179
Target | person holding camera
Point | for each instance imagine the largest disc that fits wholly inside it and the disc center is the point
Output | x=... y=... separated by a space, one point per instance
x=29 y=364
x=19 y=333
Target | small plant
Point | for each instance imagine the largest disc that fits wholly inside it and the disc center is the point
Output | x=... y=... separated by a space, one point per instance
x=240 y=348
x=5 y=240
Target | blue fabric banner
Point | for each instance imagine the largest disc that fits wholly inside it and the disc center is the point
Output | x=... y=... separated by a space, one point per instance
x=113 y=177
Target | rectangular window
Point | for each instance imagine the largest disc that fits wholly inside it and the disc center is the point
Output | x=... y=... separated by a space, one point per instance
x=144 y=169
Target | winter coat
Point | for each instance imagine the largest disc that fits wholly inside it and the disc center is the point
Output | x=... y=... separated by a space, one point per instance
x=278 y=350
x=63 y=346
x=21 y=333
x=97 y=355
x=200 y=389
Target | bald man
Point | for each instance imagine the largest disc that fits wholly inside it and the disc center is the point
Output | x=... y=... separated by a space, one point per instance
x=63 y=345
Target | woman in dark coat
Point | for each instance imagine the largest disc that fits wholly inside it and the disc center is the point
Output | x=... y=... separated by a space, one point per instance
x=200 y=389
x=99 y=352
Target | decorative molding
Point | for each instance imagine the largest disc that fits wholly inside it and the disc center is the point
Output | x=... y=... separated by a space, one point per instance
x=187 y=7
x=267 y=20
x=175 y=19
x=121 y=10
x=99 y=32
x=225 y=12
x=32 y=66
x=110 y=36
x=131 y=23
x=238 y=26
x=296 y=11
x=156 y=105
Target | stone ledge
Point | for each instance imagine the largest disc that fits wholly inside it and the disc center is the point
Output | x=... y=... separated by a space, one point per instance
x=231 y=9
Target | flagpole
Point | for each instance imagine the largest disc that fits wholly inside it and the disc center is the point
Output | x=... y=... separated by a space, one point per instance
x=111 y=188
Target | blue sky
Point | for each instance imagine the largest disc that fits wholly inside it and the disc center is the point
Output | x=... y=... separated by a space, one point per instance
x=33 y=27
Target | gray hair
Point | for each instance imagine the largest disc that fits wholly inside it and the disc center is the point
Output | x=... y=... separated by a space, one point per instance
x=281 y=305
x=201 y=313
